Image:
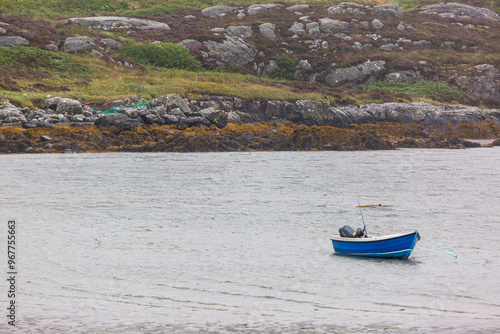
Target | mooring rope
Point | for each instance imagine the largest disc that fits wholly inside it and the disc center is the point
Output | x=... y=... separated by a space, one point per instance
x=452 y=254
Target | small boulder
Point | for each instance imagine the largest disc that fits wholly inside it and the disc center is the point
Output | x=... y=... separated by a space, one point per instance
x=376 y=24
x=11 y=41
x=111 y=43
x=240 y=31
x=268 y=30
x=218 y=11
x=391 y=10
x=64 y=106
x=261 y=8
x=120 y=121
x=77 y=44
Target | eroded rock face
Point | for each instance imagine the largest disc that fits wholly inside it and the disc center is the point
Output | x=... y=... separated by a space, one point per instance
x=118 y=22
x=240 y=31
x=456 y=9
x=481 y=81
x=234 y=51
x=11 y=41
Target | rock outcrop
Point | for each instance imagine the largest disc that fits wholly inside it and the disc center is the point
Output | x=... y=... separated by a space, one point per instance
x=456 y=9
x=11 y=41
x=355 y=74
x=233 y=50
x=118 y=22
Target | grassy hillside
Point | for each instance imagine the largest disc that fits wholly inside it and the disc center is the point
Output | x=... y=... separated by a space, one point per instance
x=29 y=74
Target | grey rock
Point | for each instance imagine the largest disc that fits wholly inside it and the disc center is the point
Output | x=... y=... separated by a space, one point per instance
x=297 y=28
x=481 y=81
x=234 y=51
x=190 y=43
x=330 y=26
x=422 y=44
x=401 y=27
x=268 y=30
x=349 y=76
x=215 y=116
x=346 y=7
x=64 y=106
x=11 y=41
x=404 y=76
x=78 y=44
x=96 y=53
x=376 y=24
x=120 y=121
x=2 y=31
x=456 y=9
x=240 y=31
x=52 y=47
x=111 y=43
x=263 y=8
x=387 y=47
x=342 y=36
x=298 y=7
x=118 y=22
x=171 y=104
x=391 y=10
x=218 y=11
x=190 y=17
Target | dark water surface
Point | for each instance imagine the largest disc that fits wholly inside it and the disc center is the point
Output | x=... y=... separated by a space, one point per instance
x=239 y=242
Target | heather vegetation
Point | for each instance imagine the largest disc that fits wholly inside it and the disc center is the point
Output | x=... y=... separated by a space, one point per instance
x=165 y=67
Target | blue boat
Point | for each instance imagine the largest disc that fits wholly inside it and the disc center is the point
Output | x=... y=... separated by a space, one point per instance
x=394 y=246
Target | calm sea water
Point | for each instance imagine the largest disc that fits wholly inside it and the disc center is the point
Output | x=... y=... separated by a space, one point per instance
x=239 y=242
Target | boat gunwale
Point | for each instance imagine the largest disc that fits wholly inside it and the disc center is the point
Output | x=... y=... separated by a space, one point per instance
x=370 y=239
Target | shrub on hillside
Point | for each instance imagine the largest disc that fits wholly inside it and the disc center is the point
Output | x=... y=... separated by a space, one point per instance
x=168 y=55
x=285 y=69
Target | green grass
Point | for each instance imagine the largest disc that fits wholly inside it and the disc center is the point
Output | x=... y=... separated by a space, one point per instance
x=424 y=89
x=38 y=60
x=167 y=55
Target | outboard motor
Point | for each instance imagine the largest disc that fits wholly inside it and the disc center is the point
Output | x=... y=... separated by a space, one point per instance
x=348 y=232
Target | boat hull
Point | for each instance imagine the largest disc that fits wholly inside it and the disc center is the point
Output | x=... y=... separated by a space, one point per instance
x=397 y=246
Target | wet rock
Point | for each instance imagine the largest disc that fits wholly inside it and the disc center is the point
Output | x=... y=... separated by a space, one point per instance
x=455 y=9
x=218 y=11
x=77 y=44
x=118 y=22
x=120 y=121
x=45 y=138
x=11 y=41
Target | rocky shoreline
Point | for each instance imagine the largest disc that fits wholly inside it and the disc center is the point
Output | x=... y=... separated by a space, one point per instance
x=220 y=123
